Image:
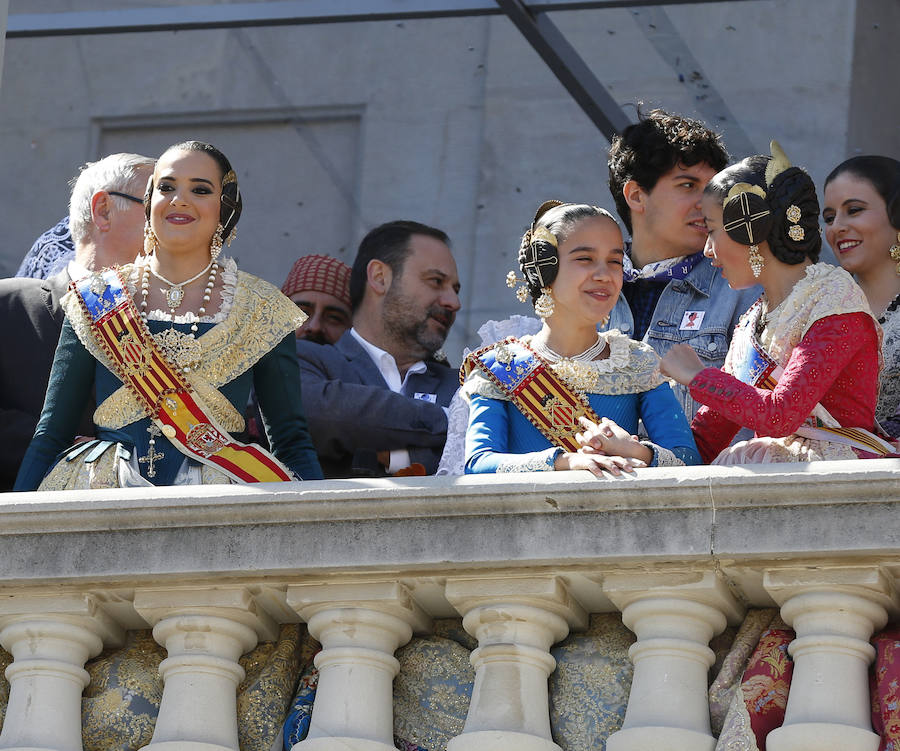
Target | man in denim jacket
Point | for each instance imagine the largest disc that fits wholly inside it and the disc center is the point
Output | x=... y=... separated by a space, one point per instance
x=658 y=169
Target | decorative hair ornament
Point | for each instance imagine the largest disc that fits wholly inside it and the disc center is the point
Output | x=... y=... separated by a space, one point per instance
x=745 y=214
x=756 y=261
x=739 y=188
x=229 y=206
x=542 y=234
x=777 y=164
x=895 y=252
x=794 y=215
x=512 y=280
x=538 y=256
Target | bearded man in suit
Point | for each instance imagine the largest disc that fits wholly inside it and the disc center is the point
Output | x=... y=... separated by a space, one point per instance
x=376 y=400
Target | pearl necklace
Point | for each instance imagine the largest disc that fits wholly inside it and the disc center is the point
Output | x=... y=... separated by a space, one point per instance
x=588 y=355
x=181 y=349
x=175 y=293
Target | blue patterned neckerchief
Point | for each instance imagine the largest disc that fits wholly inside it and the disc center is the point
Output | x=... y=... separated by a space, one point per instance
x=670 y=268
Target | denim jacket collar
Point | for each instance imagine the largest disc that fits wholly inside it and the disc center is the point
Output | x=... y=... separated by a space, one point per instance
x=701 y=277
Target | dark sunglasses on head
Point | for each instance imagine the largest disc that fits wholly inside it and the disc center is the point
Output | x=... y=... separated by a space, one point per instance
x=126 y=195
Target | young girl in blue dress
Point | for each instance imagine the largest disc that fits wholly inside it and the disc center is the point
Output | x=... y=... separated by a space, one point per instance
x=571 y=397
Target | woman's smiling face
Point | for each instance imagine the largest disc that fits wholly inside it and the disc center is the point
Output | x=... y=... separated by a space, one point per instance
x=857 y=225
x=590 y=270
x=186 y=198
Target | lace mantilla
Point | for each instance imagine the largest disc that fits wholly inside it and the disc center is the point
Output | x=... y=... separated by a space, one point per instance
x=258 y=319
x=632 y=367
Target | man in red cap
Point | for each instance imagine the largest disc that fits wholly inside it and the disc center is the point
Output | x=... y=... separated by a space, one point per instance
x=320 y=285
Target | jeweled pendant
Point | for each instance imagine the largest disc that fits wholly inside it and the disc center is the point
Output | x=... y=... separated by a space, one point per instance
x=174 y=296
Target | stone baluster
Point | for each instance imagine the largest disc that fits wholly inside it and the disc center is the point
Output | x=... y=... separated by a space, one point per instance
x=516 y=620
x=360 y=625
x=50 y=638
x=204 y=631
x=673 y=616
x=834 y=612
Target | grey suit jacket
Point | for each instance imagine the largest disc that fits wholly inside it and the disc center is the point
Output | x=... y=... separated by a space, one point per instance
x=352 y=413
x=32 y=319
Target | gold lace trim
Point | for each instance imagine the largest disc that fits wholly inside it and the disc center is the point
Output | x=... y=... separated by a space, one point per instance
x=259 y=319
x=631 y=368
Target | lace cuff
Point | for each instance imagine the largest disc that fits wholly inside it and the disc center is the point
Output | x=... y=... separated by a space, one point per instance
x=662 y=457
x=539 y=461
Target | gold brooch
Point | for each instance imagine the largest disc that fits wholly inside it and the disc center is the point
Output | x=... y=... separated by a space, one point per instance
x=796 y=233
x=179 y=349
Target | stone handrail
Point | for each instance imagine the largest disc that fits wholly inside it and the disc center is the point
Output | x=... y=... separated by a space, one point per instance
x=523 y=559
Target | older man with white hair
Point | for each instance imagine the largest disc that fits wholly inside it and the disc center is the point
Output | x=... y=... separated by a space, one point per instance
x=106 y=218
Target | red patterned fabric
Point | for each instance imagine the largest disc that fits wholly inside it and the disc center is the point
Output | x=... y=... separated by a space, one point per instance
x=317 y=273
x=767 y=681
x=836 y=363
x=885 y=688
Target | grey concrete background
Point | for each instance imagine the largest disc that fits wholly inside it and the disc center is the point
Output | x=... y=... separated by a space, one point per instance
x=455 y=122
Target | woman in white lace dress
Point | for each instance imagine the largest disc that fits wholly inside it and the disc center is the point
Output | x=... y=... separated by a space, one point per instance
x=862 y=214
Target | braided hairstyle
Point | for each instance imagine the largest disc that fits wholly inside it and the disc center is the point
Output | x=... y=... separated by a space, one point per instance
x=539 y=249
x=773 y=203
x=231 y=203
x=882 y=173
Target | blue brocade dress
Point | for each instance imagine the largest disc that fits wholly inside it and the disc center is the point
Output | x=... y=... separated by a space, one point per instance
x=626 y=387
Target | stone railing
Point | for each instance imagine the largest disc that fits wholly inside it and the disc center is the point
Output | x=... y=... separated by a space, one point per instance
x=523 y=559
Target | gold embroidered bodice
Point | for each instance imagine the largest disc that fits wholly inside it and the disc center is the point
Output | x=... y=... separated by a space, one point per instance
x=258 y=319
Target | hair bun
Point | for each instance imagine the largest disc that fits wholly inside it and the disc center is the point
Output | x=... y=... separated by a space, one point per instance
x=795 y=232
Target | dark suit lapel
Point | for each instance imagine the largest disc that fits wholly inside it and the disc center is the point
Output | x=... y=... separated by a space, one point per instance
x=423 y=383
x=53 y=290
x=360 y=360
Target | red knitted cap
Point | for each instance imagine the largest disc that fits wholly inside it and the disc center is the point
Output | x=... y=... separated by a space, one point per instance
x=319 y=273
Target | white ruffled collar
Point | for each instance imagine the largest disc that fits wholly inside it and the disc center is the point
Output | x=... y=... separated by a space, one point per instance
x=619 y=353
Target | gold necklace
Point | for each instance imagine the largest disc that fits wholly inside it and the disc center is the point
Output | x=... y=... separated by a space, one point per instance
x=182 y=350
x=175 y=293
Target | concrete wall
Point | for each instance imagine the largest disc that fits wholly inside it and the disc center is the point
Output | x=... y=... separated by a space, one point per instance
x=455 y=122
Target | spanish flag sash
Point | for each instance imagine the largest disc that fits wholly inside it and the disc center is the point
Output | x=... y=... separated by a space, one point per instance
x=178 y=412
x=750 y=363
x=534 y=389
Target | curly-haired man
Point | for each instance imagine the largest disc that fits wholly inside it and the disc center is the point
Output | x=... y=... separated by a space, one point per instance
x=658 y=168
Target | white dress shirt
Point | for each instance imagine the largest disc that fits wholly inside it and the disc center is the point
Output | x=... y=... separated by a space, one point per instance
x=387 y=366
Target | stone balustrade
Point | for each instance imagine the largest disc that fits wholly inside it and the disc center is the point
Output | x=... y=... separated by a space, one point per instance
x=522 y=559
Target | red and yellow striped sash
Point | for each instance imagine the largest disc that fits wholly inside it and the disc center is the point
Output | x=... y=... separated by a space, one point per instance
x=545 y=400
x=158 y=385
